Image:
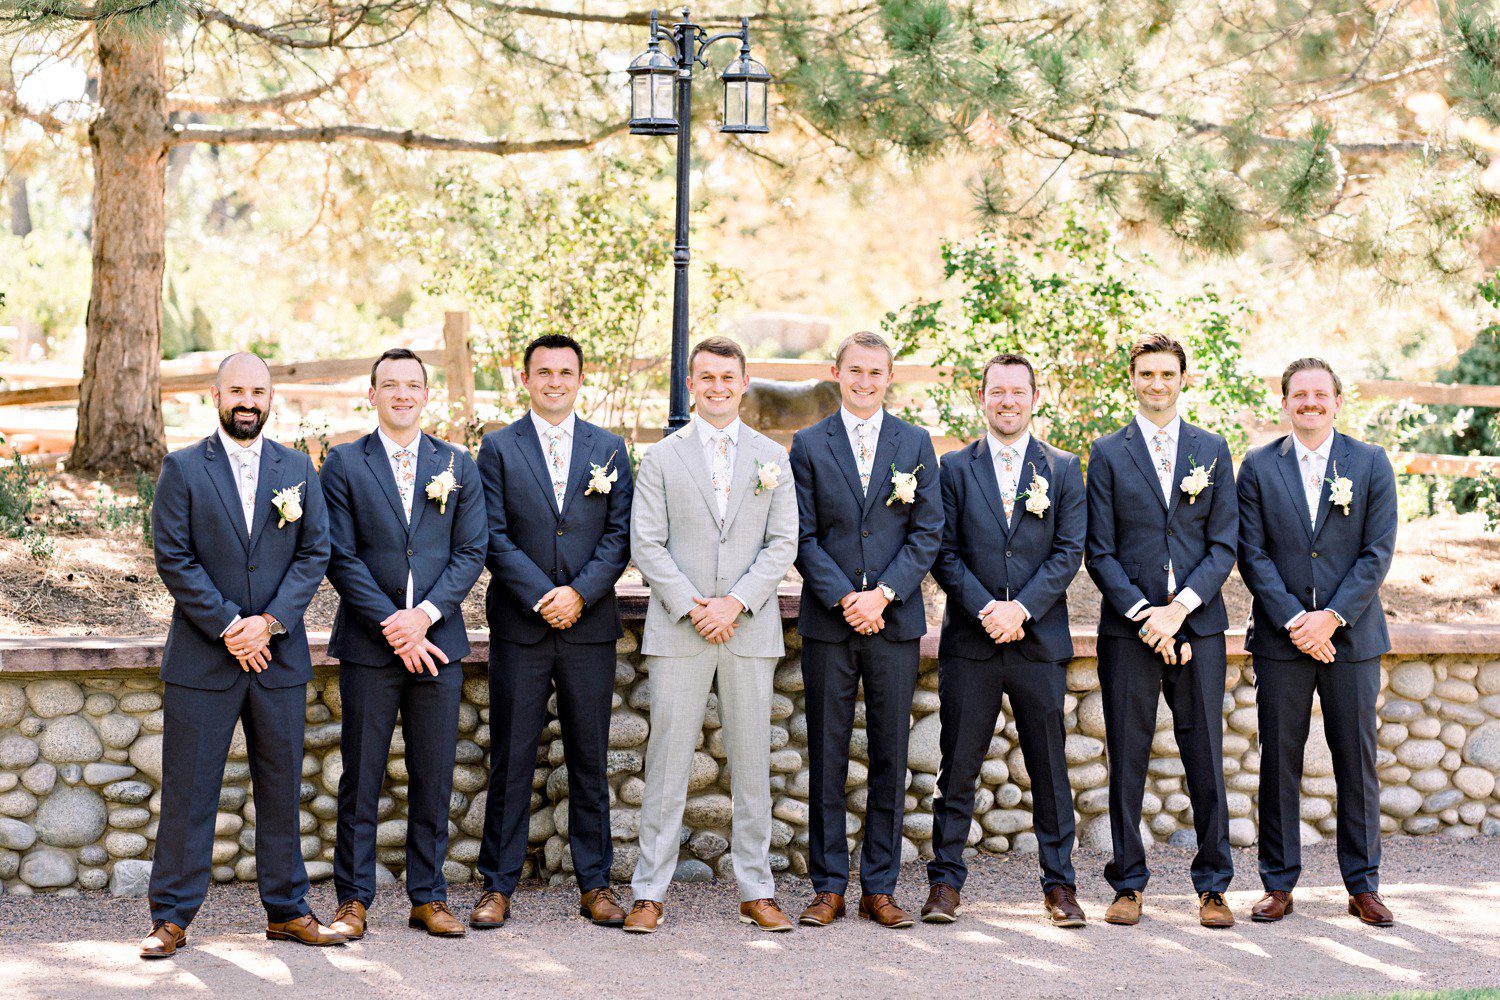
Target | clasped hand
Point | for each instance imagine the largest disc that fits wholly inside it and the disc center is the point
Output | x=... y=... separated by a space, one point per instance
x=1004 y=621
x=1313 y=634
x=249 y=640
x=714 y=617
x=1159 y=631
x=864 y=610
x=406 y=631
x=560 y=607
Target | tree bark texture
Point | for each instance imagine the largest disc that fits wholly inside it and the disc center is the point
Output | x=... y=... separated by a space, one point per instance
x=119 y=409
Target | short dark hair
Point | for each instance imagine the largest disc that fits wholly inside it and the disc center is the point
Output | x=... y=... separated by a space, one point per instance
x=1008 y=358
x=398 y=354
x=551 y=341
x=864 y=338
x=719 y=347
x=1159 y=343
x=1310 y=364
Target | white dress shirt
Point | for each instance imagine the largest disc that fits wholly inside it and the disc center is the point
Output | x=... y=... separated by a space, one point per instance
x=391 y=448
x=851 y=428
x=1186 y=597
x=544 y=432
x=995 y=444
x=1312 y=492
x=232 y=451
x=707 y=432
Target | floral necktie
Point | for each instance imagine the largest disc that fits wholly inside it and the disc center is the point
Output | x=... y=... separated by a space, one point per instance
x=721 y=473
x=1312 y=485
x=864 y=454
x=1161 y=454
x=1008 y=459
x=246 y=460
x=406 y=478
x=557 y=468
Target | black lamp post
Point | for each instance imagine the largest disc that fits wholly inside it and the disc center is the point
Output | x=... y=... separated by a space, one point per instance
x=653 y=111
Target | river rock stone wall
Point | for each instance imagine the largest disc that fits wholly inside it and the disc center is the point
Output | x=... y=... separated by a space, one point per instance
x=80 y=767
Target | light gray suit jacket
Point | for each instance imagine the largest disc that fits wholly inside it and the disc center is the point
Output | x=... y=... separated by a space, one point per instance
x=681 y=550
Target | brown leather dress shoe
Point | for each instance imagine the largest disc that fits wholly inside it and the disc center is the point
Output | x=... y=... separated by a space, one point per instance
x=436 y=919
x=600 y=907
x=942 y=904
x=1213 y=911
x=163 y=941
x=1272 y=907
x=765 y=914
x=1126 y=909
x=825 y=908
x=1369 y=907
x=350 y=919
x=493 y=910
x=1062 y=906
x=882 y=909
x=645 y=917
x=304 y=930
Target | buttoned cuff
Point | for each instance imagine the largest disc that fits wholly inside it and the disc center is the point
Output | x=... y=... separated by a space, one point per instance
x=986 y=609
x=1188 y=599
x=229 y=626
x=1339 y=617
x=1024 y=612
x=432 y=611
x=744 y=604
x=1295 y=619
x=1136 y=609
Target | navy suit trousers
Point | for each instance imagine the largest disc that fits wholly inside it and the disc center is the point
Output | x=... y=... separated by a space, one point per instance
x=1347 y=691
x=198 y=727
x=429 y=726
x=971 y=692
x=1133 y=678
x=831 y=675
x=521 y=678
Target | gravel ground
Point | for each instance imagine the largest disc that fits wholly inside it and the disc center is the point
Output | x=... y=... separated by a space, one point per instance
x=1446 y=896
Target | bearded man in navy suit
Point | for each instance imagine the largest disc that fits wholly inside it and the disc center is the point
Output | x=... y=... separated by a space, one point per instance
x=406 y=515
x=1317 y=535
x=241 y=539
x=1163 y=523
x=1013 y=528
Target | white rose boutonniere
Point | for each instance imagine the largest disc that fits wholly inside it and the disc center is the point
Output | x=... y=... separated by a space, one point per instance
x=1037 y=501
x=442 y=485
x=1341 y=490
x=602 y=477
x=903 y=486
x=767 y=476
x=288 y=504
x=1197 y=480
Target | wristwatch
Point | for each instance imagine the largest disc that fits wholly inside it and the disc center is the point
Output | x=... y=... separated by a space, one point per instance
x=276 y=627
x=884 y=588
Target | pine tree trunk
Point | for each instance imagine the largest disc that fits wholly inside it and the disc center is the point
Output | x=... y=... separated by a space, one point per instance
x=119 y=407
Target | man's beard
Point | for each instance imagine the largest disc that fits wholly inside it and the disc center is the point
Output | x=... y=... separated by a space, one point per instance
x=237 y=431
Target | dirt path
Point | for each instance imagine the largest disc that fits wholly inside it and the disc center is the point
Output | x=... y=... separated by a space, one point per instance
x=1446 y=895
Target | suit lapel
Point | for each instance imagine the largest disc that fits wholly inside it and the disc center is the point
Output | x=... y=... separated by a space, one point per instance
x=578 y=465
x=1291 y=475
x=221 y=470
x=1187 y=445
x=1033 y=464
x=380 y=467
x=843 y=456
x=427 y=467
x=690 y=451
x=885 y=453
x=1135 y=444
x=267 y=483
x=742 y=481
x=982 y=467
x=531 y=450
x=1338 y=455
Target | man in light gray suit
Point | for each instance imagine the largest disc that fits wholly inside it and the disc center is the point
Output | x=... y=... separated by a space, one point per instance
x=713 y=531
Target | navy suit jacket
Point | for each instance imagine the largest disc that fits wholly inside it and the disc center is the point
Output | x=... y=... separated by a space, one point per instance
x=374 y=548
x=533 y=547
x=1030 y=558
x=851 y=541
x=1133 y=532
x=214 y=570
x=1291 y=565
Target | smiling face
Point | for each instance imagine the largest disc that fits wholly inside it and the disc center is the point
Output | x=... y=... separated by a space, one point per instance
x=716 y=385
x=864 y=375
x=399 y=395
x=1008 y=400
x=553 y=379
x=1157 y=381
x=1311 y=403
x=242 y=394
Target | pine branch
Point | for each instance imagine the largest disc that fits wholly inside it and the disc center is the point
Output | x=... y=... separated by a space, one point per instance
x=273 y=102
x=10 y=103
x=181 y=134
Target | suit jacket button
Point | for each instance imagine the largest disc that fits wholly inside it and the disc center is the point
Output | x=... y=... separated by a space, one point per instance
x=410 y=552
x=1307 y=590
x=252 y=569
x=858 y=571
x=865 y=534
x=723 y=541
x=1008 y=553
x=1315 y=555
x=1169 y=532
x=559 y=532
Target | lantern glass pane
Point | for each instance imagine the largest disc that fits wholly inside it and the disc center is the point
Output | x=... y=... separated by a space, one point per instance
x=734 y=102
x=640 y=96
x=755 y=104
x=663 y=85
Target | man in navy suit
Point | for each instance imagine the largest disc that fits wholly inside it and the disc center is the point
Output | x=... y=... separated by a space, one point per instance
x=1014 y=518
x=1162 y=529
x=1317 y=534
x=871 y=520
x=558 y=492
x=406 y=516
x=241 y=538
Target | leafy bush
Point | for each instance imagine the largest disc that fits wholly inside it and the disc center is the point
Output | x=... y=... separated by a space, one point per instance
x=1074 y=305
